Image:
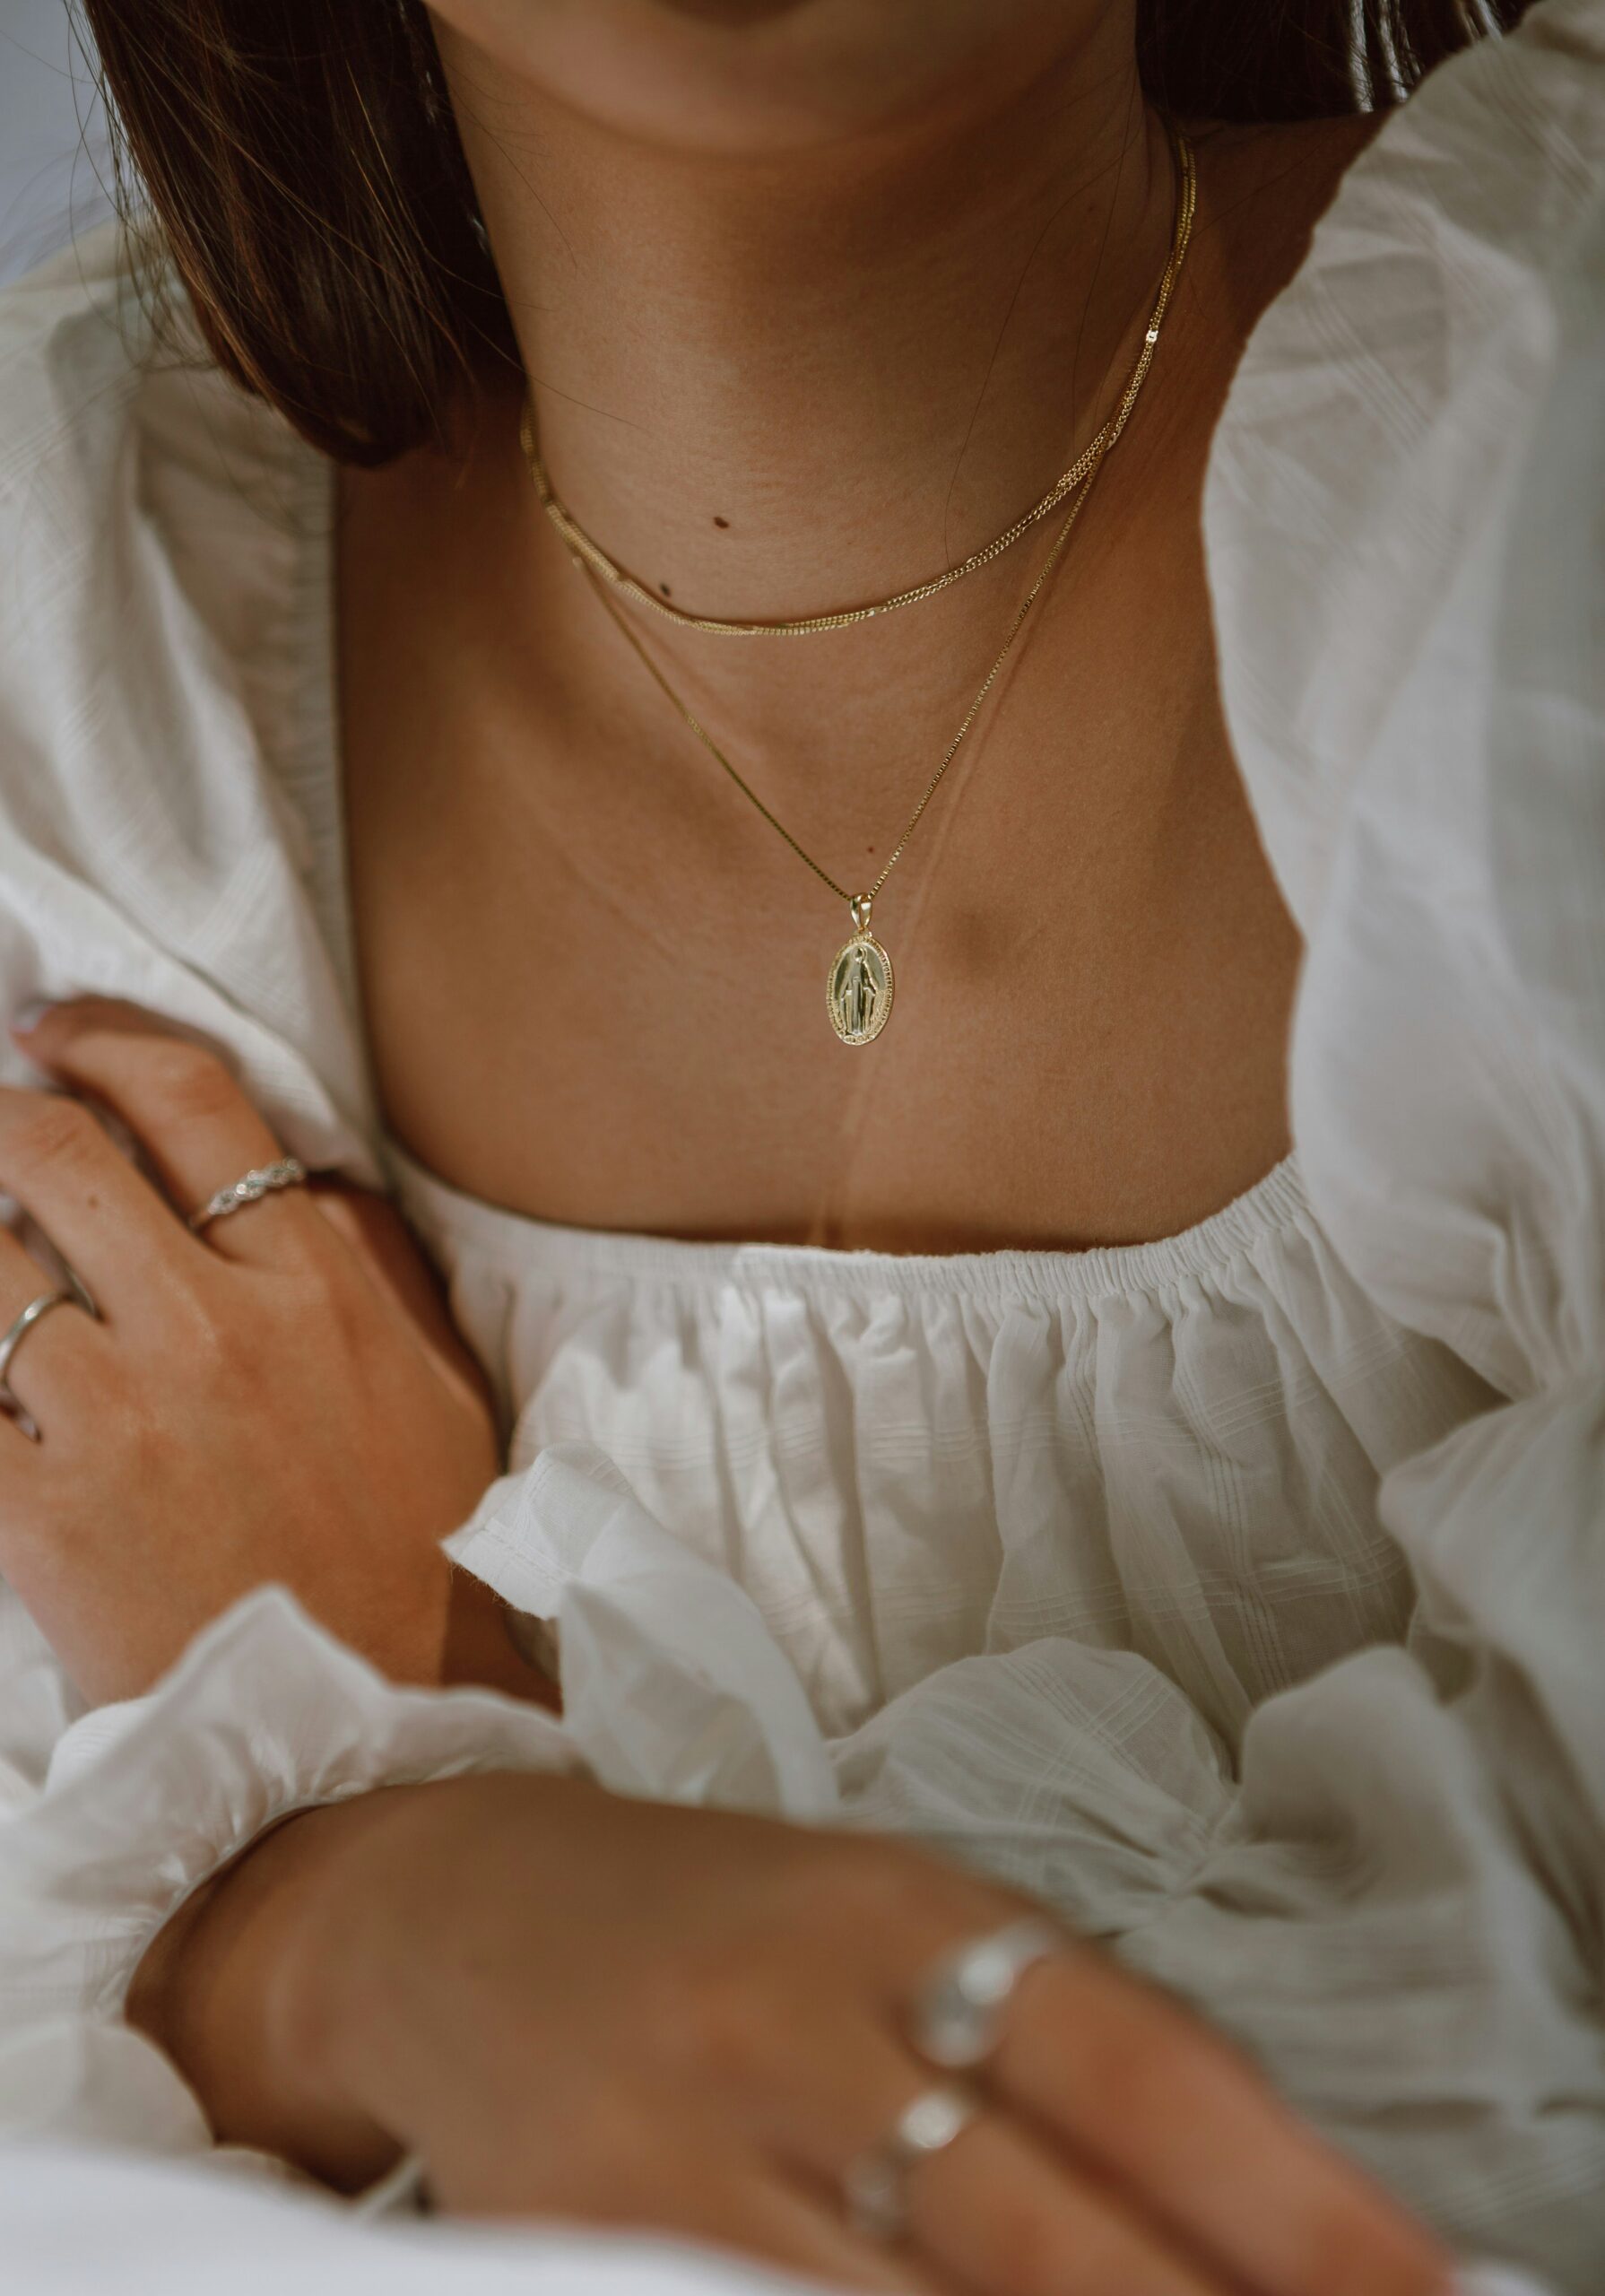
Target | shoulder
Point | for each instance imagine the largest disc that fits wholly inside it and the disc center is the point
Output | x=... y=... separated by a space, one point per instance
x=169 y=797
x=1403 y=530
x=1267 y=184
x=161 y=573
x=1374 y=442
x=117 y=431
x=53 y=310
x=161 y=547
x=1261 y=191
x=66 y=370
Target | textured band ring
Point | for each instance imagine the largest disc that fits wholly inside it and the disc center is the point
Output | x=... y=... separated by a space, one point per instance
x=11 y=1404
x=875 y=2186
x=958 y=2011
x=287 y=1172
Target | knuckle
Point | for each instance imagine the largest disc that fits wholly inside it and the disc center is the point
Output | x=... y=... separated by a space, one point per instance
x=186 y=1080
x=326 y=1290
x=48 y=1129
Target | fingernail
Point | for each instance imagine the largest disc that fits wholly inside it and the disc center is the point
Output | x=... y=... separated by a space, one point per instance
x=28 y=1016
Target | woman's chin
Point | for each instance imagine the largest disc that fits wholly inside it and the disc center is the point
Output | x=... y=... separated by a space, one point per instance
x=758 y=78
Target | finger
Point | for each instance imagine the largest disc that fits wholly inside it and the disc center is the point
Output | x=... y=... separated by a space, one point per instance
x=47 y=1360
x=798 y=2231
x=104 y=1218
x=1000 y=2213
x=994 y=2209
x=177 y=1096
x=1190 y=2131
x=692 y=2175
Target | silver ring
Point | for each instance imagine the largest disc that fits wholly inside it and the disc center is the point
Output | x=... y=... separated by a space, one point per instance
x=11 y=1404
x=875 y=2186
x=289 y=1172
x=959 y=2013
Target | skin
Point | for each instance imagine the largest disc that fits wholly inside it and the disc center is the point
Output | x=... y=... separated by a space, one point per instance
x=1094 y=966
x=378 y=1438
x=817 y=296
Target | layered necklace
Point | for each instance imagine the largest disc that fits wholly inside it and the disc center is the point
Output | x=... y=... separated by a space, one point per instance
x=859 y=985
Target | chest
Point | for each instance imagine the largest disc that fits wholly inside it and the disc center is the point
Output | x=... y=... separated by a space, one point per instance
x=595 y=978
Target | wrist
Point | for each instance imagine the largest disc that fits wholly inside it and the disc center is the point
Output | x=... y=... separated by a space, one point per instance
x=408 y=1966
x=335 y=2004
x=241 y=1988
x=369 y=2006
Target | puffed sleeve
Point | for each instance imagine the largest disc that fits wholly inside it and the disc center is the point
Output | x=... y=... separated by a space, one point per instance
x=169 y=832
x=145 y=1801
x=673 y=1690
x=1401 y=1911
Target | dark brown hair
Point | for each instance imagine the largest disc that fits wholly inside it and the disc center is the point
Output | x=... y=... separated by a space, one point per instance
x=304 y=165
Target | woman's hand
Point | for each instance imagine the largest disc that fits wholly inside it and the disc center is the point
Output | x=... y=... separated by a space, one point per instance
x=281 y=1398
x=572 y=2005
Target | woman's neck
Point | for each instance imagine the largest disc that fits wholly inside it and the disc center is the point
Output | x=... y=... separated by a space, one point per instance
x=776 y=386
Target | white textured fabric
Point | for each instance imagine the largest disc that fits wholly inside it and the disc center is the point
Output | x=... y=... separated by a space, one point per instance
x=1241 y=1593
x=90 y=2224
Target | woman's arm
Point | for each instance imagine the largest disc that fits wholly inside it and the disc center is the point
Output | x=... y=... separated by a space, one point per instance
x=230 y=1991
x=571 y=2004
x=567 y=2003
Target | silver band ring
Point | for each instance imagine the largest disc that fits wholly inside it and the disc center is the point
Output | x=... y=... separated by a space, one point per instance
x=959 y=2013
x=875 y=2186
x=289 y=1172
x=11 y=1404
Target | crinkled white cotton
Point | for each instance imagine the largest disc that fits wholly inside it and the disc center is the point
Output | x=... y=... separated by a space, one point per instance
x=79 y=2221
x=1239 y=1593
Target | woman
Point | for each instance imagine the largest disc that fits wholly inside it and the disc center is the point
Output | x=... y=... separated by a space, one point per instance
x=1149 y=1557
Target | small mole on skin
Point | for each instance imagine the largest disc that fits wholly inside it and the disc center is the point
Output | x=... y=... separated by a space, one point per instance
x=663 y=586
x=721 y=522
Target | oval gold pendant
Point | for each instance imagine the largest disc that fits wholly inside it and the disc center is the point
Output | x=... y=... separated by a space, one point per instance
x=858 y=992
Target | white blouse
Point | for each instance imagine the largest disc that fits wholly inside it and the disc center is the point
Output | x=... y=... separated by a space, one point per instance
x=1238 y=1593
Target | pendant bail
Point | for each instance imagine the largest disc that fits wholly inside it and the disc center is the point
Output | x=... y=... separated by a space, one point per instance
x=859 y=906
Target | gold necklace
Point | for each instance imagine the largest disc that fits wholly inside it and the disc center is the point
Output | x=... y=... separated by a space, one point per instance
x=583 y=545
x=858 y=985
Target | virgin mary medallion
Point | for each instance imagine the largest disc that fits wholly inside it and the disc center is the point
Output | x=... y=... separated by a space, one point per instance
x=859 y=989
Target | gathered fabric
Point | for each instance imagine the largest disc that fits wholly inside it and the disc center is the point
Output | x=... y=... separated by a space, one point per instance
x=1170 y=1451
x=1239 y=1593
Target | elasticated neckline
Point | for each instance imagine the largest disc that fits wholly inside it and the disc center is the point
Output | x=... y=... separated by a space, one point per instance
x=516 y=1240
